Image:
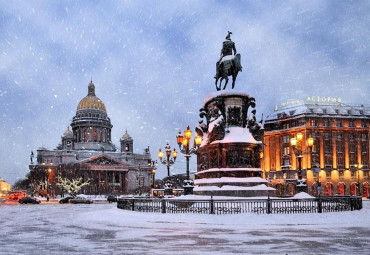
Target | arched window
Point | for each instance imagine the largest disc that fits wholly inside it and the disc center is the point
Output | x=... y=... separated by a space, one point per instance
x=329 y=189
x=279 y=189
x=291 y=189
x=341 y=189
x=365 y=189
x=353 y=189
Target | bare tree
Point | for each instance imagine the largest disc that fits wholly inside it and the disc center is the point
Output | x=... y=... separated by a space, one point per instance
x=71 y=185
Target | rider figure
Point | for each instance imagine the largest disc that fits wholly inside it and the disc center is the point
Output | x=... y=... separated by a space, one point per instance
x=228 y=47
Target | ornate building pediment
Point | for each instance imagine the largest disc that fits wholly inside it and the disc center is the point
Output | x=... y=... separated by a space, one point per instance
x=101 y=160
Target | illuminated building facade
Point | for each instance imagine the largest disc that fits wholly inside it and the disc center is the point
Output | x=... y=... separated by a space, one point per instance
x=87 y=151
x=338 y=162
x=4 y=186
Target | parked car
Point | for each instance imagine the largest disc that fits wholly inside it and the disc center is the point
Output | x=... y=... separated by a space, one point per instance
x=29 y=200
x=81 y=200
x=65 y=200
x=112 y=198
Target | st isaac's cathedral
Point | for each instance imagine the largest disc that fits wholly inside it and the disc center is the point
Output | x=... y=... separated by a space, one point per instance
x=87 y=151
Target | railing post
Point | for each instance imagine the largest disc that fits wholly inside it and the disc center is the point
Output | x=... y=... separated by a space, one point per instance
x=319 y=205
x=268 y=209
x=211 y=206
x=133 y=204
x=163 y=202
x=351 y=203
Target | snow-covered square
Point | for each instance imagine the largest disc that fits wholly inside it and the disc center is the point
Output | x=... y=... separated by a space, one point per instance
x=104 y=229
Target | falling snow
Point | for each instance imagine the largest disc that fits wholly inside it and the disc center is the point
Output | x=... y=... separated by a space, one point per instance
x=153 y=64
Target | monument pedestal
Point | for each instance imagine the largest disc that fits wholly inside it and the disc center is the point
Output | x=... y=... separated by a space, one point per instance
x=229 y=156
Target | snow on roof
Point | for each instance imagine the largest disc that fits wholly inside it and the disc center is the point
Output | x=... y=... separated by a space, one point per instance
x=230 y=180
x=229 y=187
x=237 y=135
x=320 y=108
x=230 y=169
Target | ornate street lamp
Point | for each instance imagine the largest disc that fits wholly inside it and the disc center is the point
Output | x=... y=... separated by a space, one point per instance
x=153 y=164
x=184 y=144
x=47 y=182
x=296 y=143
x=359 y=166
x=168 y=161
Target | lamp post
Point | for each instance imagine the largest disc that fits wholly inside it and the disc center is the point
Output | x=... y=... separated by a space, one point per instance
x=359 y=166
x=168 y=161
x=296 y=143
x=47 y=183
x=153 y=164
x=184 y=144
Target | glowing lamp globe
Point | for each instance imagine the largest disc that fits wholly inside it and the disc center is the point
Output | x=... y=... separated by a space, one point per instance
x=198 y=140
x=188 y=133
x=293 y=141
x=174 y=154
x=160 y=154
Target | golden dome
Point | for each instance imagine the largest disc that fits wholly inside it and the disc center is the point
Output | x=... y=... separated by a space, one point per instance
x=91 y=101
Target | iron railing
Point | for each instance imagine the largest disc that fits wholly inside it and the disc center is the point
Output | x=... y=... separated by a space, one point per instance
x=216 y=206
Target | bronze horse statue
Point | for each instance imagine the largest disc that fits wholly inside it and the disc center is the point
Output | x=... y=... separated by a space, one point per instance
x=228 y=67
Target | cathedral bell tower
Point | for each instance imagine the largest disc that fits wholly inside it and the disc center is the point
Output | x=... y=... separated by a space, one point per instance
x=127 y=143
x=68 y=140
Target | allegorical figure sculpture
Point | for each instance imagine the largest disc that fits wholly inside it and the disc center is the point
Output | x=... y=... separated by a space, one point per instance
x=228 y=64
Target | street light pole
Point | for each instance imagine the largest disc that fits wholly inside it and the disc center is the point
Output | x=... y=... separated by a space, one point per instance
x=296 y=143
x=359 y=166
x=47 y=183
x=184 y=144
x=168 y=161
x=153 y=164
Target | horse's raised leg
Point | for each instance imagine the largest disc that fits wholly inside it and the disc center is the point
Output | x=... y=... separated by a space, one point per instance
x=227 y=80
x=234 y=79
x=217 y=87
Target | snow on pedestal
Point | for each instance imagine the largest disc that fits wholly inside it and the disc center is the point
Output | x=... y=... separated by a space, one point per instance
x=228 y=158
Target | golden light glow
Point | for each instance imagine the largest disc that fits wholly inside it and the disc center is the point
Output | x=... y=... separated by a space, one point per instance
x=293 y=141
x=49 y=170
x=185 y=142
x=299 y=136
x=153 y=171
x=261 y=154
x=160 y=154
x=198 y=140
x=188 y=133
x=168 y=153
x=310 y=141
x=179 y=138
x=174 y=153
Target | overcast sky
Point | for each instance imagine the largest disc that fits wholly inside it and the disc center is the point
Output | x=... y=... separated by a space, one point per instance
x=153 y=62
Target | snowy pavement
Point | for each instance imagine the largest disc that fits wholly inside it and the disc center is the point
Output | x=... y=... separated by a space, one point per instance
x=104 y=229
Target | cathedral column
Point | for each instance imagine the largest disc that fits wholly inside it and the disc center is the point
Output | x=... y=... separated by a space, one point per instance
x=106 y=181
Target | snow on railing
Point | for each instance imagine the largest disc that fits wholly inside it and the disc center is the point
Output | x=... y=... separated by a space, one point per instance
x=236 y=206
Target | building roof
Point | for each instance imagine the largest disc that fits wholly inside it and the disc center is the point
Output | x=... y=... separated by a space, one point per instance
x=310 y=108
x=91 y=101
